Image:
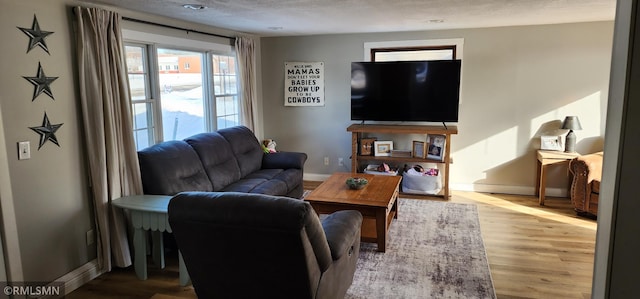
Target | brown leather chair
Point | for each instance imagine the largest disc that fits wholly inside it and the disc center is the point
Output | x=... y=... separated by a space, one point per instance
x=585 y=187
x=244 y=245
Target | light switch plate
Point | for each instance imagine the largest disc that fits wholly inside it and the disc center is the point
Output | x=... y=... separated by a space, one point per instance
x=24 y=150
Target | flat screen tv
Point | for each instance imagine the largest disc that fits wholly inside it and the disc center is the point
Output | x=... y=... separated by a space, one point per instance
x=418 y=91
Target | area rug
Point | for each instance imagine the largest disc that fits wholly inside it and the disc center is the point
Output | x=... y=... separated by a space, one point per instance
x=434 y=250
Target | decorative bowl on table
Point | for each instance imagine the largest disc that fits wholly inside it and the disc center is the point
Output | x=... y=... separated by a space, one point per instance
x=356 y=183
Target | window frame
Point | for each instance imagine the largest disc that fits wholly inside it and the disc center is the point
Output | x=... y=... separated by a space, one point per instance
x=151 y=43
x=374 y=51
x=237 y=93
x=151 y=92
x=409 y=44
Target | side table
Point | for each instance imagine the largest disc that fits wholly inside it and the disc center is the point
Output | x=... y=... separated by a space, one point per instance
x=546 y=158
x=149 y=213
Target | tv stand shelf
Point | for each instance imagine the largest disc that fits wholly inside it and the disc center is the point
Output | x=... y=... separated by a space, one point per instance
x=357 y=131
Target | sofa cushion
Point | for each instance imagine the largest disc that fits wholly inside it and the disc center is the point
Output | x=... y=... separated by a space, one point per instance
x=171 y=167
x=292 y=178
x=266 y=174
x=243 y=185
x=271 y=187
x=245 y=147
x=257 y=185
x=217 y=158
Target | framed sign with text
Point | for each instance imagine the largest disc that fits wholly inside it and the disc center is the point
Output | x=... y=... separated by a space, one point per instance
x=304 y=84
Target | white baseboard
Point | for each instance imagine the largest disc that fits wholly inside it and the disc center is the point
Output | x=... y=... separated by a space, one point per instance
x=80 y=276
x=484 y=188
x=505 y=189
x=315 y=177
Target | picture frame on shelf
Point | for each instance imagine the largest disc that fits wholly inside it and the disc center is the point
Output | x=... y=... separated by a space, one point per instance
x=436 y=148
x=551 y=143
x=419 y=150
x=366 y=146
x=383 y=148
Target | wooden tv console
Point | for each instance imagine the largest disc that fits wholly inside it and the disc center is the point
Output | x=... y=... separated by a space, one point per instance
x=357 y=131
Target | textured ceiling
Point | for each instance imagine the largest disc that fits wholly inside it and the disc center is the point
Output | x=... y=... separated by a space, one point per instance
x=310 y=17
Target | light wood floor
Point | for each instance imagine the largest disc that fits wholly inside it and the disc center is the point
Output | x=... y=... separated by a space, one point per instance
x=533 y=252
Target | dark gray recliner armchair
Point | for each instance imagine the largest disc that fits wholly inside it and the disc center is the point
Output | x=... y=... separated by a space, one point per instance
x=243 y=245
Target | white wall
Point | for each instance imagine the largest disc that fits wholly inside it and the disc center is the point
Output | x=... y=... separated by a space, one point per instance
x=518 y=83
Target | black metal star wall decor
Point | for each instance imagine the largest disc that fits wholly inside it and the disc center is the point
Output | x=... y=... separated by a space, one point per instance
x=36 y=36
x=41 y=83
x=47 y=131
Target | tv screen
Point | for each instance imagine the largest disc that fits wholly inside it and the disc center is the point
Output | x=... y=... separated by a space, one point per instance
x=426 y=91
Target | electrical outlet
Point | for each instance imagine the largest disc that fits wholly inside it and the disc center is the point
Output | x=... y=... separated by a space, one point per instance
x=340 y=162
x=326 y=161
x=90 y=237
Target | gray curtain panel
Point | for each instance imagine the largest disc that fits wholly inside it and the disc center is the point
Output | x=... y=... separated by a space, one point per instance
x=106 y=115
x=245 y=51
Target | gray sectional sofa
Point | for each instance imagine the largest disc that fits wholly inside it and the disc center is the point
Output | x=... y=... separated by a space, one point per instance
x=228 y=160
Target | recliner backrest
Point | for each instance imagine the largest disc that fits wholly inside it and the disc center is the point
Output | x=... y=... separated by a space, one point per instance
x=240 y=245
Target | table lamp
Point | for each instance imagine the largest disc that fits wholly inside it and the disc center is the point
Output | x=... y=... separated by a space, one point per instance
x=571 y=123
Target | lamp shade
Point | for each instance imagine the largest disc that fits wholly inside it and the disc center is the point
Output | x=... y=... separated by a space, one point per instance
x=571 y=123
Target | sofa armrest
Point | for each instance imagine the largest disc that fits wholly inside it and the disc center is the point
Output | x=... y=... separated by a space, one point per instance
x=284 y=160
x=589 y=166
x=594 y=164
x=585 y=170
x=342 y=229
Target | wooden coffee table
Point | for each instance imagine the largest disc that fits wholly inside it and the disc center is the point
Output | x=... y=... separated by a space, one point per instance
x=377 y=202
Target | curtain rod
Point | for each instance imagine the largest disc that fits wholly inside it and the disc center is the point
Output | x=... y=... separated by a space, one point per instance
x=178 y=28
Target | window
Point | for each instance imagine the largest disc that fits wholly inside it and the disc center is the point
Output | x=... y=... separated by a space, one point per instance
x=433 y=49
x=189 y=92
x=183 y=96
x=140 y=90
x=446 y=52
x=225 y=91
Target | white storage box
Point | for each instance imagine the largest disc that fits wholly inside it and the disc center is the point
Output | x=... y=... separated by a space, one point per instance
x=421 y=184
